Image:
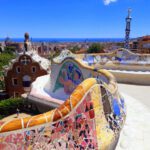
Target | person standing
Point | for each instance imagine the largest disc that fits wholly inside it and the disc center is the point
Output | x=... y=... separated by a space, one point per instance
x=17 y=110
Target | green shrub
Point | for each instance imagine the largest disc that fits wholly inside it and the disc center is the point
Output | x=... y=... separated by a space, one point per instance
x=2 y=83
x=9 y=49
x=1 y=117
x=10 y=105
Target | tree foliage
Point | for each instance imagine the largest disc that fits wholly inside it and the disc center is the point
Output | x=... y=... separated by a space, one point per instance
x=2 y=84
x=9 y=49
x=1 y=50
x=96 y=48
x=74 y=49
x=5 y=59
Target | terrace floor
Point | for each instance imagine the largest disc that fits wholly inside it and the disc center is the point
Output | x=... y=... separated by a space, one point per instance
x=136 y=131
x=139 y=92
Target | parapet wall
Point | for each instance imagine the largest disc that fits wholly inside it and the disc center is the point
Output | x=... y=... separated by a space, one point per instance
x=120 y=59
x=127 y=67
x=132 y=77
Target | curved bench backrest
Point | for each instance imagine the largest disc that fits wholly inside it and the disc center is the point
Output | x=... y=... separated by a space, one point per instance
x=70 y=73
x=79 y=123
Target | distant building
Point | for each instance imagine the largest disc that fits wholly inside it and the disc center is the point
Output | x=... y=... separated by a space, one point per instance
x=44 y=50
x=141 y=44
x=17 y=46
x=23 y=71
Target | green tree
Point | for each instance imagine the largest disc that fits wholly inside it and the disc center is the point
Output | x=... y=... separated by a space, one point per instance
x=5 y=59
x=2 y=83
x=96 y=48
x=9 y=49
x=74 y=49
x=1 y=50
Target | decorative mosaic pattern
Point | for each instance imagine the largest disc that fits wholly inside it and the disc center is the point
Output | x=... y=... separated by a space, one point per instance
x=75 y=131
x=90 y=119
x=64 y=54
x=121 y=56
x=90 y=125
x=69 y=77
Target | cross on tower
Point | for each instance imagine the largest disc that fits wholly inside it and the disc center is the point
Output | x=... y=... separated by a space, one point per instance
x=129 y=12
x=25 y=60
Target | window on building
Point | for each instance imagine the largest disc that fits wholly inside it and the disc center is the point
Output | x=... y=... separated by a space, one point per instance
x=25 y=60
x=15 y=81
x=33 y=69
x=16 y=94
x=18 y=70
x=26 y=81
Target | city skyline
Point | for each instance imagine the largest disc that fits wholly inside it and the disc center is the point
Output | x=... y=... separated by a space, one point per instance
x=73 y=19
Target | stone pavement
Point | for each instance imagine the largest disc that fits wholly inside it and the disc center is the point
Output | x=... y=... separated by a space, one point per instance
x=136 y=132
x=139 y=92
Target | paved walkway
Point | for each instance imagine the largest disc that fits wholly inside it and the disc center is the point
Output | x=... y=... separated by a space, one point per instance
x=139 y=92
x=136 y=132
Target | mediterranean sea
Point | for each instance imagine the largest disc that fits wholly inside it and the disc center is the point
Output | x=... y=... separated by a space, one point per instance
x=57 y=40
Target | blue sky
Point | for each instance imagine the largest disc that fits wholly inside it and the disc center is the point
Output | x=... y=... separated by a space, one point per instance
x=73 y=18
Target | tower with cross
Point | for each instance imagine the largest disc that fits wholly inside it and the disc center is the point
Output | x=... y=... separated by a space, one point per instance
x=27 y=44
x=127 y=30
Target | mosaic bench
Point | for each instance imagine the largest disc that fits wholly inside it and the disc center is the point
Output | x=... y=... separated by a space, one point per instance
x=91 y=117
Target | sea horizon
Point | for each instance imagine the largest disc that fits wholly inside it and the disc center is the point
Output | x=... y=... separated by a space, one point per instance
x=61 y=40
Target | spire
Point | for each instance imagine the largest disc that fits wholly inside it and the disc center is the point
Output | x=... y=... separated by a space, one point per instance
x=127 y=30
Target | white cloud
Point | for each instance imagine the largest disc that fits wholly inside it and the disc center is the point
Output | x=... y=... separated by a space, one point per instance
x=107 y=2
